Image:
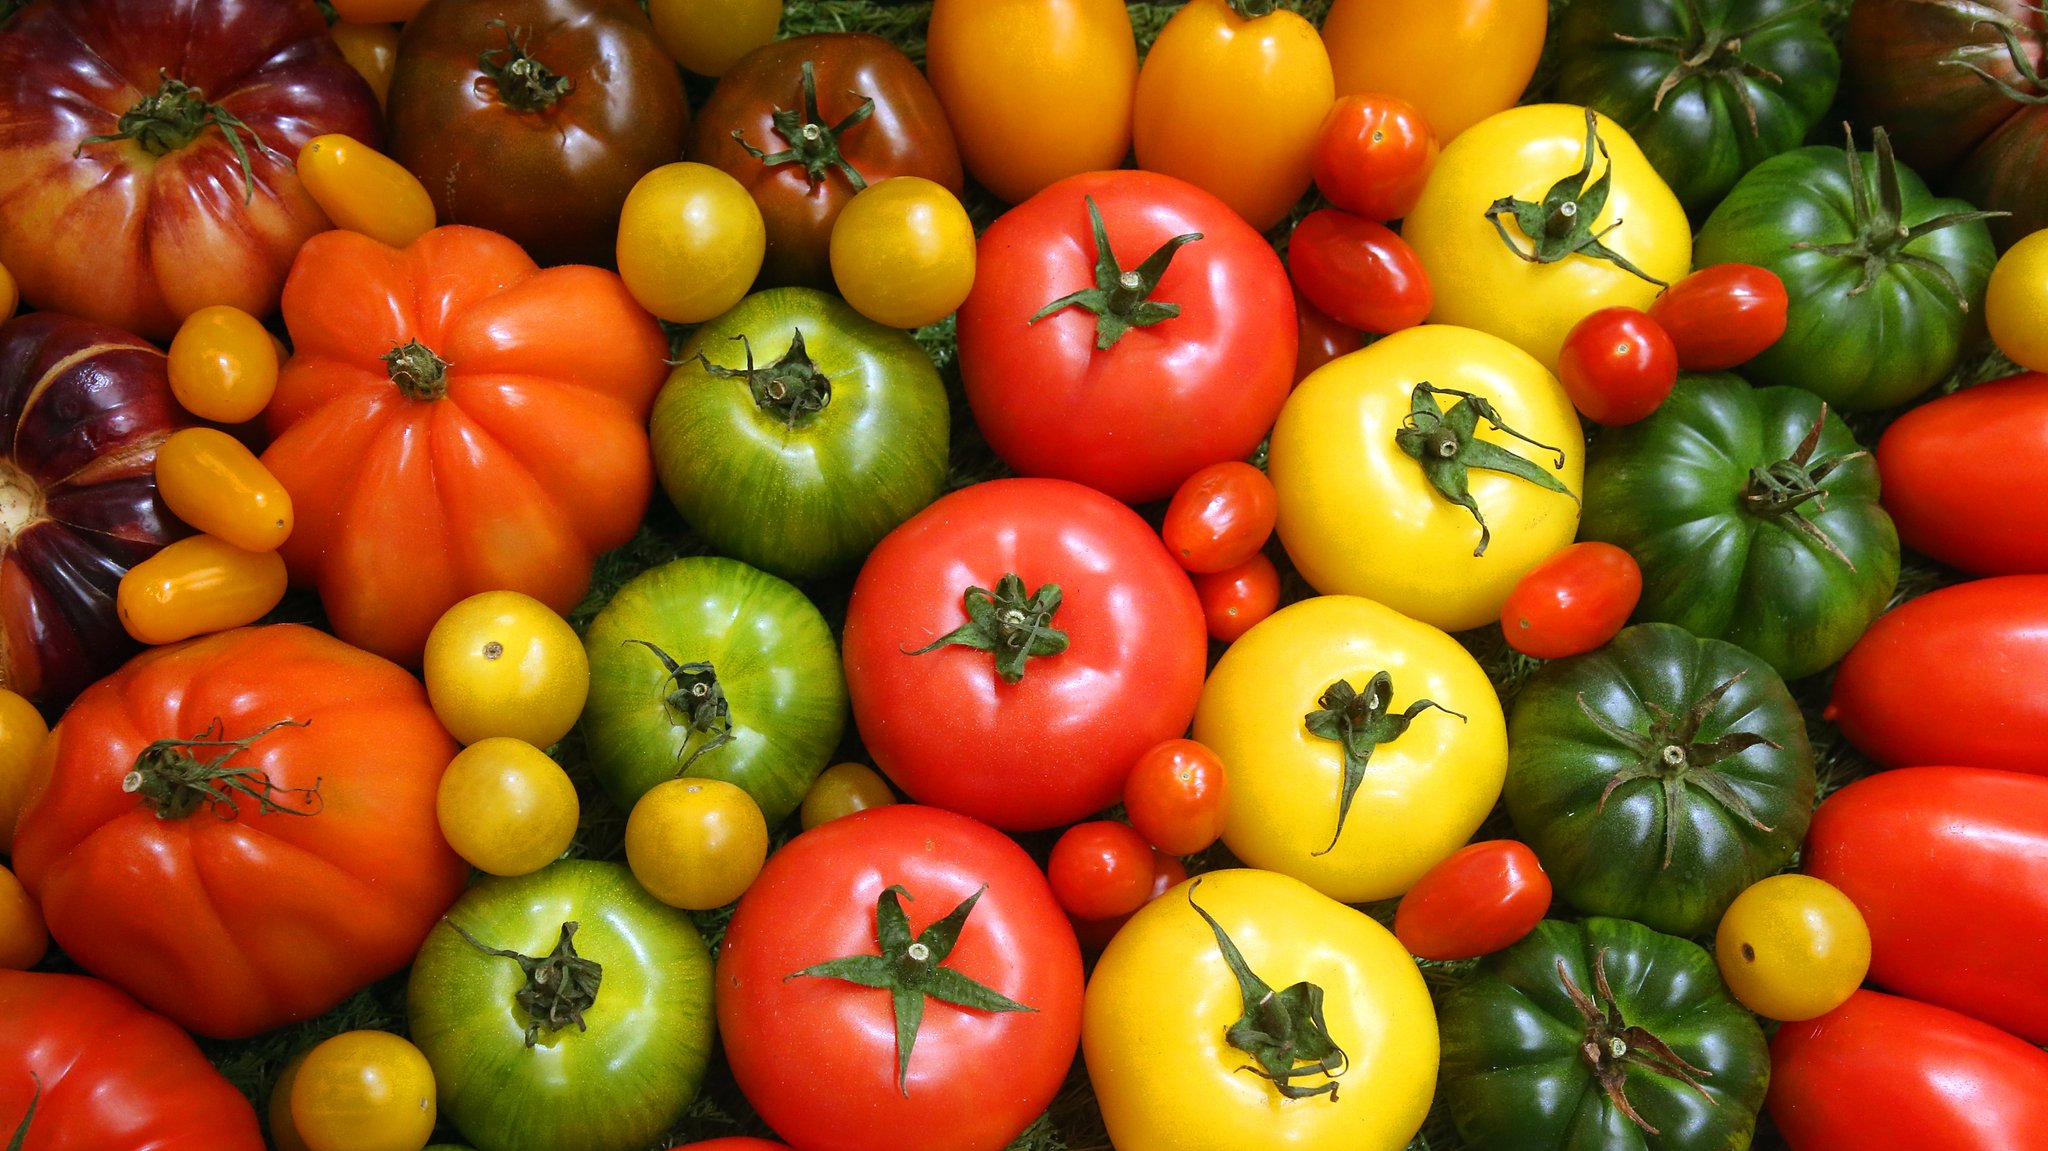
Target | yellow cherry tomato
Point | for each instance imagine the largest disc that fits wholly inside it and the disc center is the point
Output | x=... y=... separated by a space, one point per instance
x=363 y=190
x=1792 y=947
x=23 y=938
x=22 y=734
x=696 y=843
x=372 y=50
x=1457 y=61
x=364 y=1091
x=690 y=242
x=284 y=1134
x=843 y=789
x=506 y=807
x=709 y=36
x=223 y=365
x=10 y=294
x=2016 y=303
x=209 y=480
x=903 y=252
x=378 y=11
x=503 y=663
x=1273 y=706
x=1484 y=280
x=196 y=586
x=1234 y=106
x=1359 y=515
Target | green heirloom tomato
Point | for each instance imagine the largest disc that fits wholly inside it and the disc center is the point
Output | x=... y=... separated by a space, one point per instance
x=1659 y=776
x=1590 y=1036
x=795 y=432
x=576 y=1016
x=710 y=668
x=1749 y=526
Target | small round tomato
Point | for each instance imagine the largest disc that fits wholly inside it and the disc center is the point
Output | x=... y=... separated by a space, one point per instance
x=710 y=36
x=843 y=789
x=503 y=663
x=2014 y=303
x=214 y=483
x=1373 y=155
x=1617 y=365
x=1792 y=947
x=1100 y=869
x=199 y=585
x=1572 y=602
x=371 y=49
x=223 y=365
x=506 y=807
x=1094 y=934
x=1322 y=339
x=696 y=843
x=10 y=294
x=22 y=732
x=1358 y=272
x=691 y=241
x=1235 y=599
x=1175 y=796
x=1482 y=898
x=1221 y=516
x=903 y=252
x=363 y=190
x=23 y=937
x=1722 y=315
x=364 y=1091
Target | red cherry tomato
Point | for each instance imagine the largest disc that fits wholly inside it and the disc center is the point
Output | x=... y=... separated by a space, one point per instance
x=1220 y=517
x=1374 y=154
x=1483 y=897
x=1617 y=365
x=1322 y=338
x=1722 y=315
x=1572 y=602
x=1100 y=869
x=1359 y=272
x=1095 y=934
x=1174 y=796
x=1236 y=598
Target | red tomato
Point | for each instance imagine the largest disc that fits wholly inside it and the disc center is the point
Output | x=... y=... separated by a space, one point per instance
x=1167 y=378
x=1175 y=796
x=1220 y=517
x=734 y=1143
x=1095 y=934
x=1026 y=741
x=816 y=1054
x=1572 y=602
x=1321 y=339
x=1235 y=599
x=1100 y=869
x=1722 y=315
x=1483 y=897
x=1940 y=459
x=1617 y=365
x=1359 y=272
x=1374 y=155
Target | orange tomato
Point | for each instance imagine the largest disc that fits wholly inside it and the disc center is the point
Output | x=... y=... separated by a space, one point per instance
x=10 y=294
x=363 y=190
x=372 y=50
x=23 y=937
x=195 y=586
x=223 y=365
x=209 y=480
x=1459 y=61
x=22 y=734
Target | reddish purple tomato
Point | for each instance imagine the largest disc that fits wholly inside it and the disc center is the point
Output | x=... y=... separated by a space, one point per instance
x=1095 y=934
x=1617 y=365
x=1322 y=338
x=1722 y=315
x=1483 y=897
x=1374 y=155
x=1359 y=272
x=1572 y=602
x=1100 y=869
x=1174 y=796
x=1236 y=598
x=1220 y=517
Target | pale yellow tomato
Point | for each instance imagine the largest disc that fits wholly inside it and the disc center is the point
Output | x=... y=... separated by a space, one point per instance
x=903 y=252
x=696 y=843
x=506 y=807
x=503 y=663
x=691 y=241
x=1792 y=947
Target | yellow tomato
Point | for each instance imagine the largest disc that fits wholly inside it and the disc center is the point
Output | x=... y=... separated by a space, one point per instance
x=709 y=36
x=690 y=242
x=1792 y=947
x=1484 y=281
x=364 y=1091
x=223 y=365
x=2016 y=303
x=22 y=733
x=843 y=789
x=372 y=50
x=1424 y=789
x=23 y=938
x=1458 y=61
x=10 y=294
x=284 y=1134
x=363 y=190
x=209 y=480
x=503 y=663
x=196 y=586
x=1360 y=516
x=903 y=252
x=506 y=807
x=696 y=843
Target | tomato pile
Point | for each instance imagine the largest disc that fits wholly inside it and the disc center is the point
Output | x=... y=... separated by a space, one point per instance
x=583 y=575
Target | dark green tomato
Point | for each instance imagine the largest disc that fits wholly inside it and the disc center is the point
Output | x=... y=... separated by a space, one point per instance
x=1659 y=776
x=515 y=1070
x=1739 y=535
x=1541 y=1053
x=801 y=465
x=1708 y=88
x=742 y=683
x=1886 y=281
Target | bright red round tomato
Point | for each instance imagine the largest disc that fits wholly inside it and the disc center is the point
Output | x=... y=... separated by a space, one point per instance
x=810 y=1035
x=1572 y=602
x=1722 y=315
x=1220 y=517
x=1483 y=897
x=1374 y=155
x=1321 y=339
x=1358 y=272
x=1100 y=869
x=1167 y=873
x=1175 y=796
x=1235 y=599
x=1617 y=365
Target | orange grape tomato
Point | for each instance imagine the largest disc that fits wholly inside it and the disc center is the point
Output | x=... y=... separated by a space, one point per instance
x=1458 y=61
x=223 y=365
x=363 y=190
x=23 y=937
x=212 y=482
x=196 y=586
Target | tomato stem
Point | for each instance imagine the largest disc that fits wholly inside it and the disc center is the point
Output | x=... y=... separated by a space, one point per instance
x=2022 y=62
x=1562 y=225
x=1611 y=1045
x=1779 y=490
x=174 y=116
x=1254 y=9
x=417 y=371
x=1715 y=53
x=1447 y=445
x=696 y=701
x=560 y=986
x=1359 y=722
x=792 y=388
x=524 y=83
x=35 y=1096
x=175 y=783
x=1008 y=623
x=810 y=142
x=1283 y=1031
x=1121 y=300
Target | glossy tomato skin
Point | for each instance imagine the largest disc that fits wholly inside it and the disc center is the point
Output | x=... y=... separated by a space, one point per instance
x=1792 y=947
x=1164 y=400
x=2017 y=293
x=1100 y=869
x=1457 y=63
x=1373 y=154
x=1177 y=796
x=1722 y=316
x=1358 y=272
x=817 y=1056
x=1942 y=461
x=1235 y=599
x=1054 y=746
x=1481 y=898
x=1321 y=339
x=1220 y=517
x=1617 y=365
x=1572 y=602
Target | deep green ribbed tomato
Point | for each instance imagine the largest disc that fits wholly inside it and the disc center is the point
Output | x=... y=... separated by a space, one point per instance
x=707 y=667
x=1659 y=776
x=1674 y=1051
x=593 y=1037
x=1744 y=531
x=799 y=446
x=1886 y=281
x=1708 y=87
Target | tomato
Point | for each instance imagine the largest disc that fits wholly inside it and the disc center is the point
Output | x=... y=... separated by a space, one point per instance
x=1457 y=63
x=1176 y=796
x=1941 y=458
x=23 y=936
x=505 y=807
x=378 y=11
x=1502 y=234
x=1220 y=517
x=1100 y=869
x=841 y=790
x=372 y=50
x=1792 y=947
x=1482 y=898
x=365 y=191
x=709 y=36
x=1072 y=375
x=1572 y=602
x=2016 y=297
x=1230 y=98
x=209 y=480
x=22 y=733
x=364 y=1091
x=1320 y=338
x=732 y=1142
x=1361 y=513
x=690 y=242
x=222 y=365
x=1617 y=365
x=10 y=294
x=198 y=585
x=1094 y=934
x=502 y=663
x=1722 y=316
x=1359 y=273
x=1361 y=747
x=903 y=252
x=696 y=843
x=1373 y=155
x=1235 y=599
x=1036 y=90
x=1051 y=629
x=891 y=898
x=1186 y=1009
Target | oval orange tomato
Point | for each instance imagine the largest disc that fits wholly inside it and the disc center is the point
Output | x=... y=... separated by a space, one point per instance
x=1459 y=61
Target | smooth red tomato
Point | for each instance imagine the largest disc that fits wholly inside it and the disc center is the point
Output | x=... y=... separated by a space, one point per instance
x=1095 y=934
x=1358 y=272
x=1100 y=869
x=1374 y=154
x=1220 y=517
x=1175 y=796
x=1939 y=459
x=1572 y=602
x=1483 y=897
x=1722 y=315
x=1235 y=599
x=1617 y=365
x=1321 y=339
x=734 y=1143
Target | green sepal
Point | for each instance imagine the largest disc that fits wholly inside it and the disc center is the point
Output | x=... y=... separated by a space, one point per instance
x=811 y=143
x=697 y=701
x=1359 y=723
x=174 y=115
x=1447 y=445
x=1283 y=1031
x=560 y=986
x=524 y=83
x=1562 y=225
x=1121 y=300
x=35 y=1097
x=1008 y=623
x=792 y=388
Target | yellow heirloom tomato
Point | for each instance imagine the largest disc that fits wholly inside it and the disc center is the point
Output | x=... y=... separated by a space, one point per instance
x=903 y=252
x=2015 y=303
x=709 y=36
x=212 y=482
x=1369 y=467
x=363 y=190
x=502 y=663
x=691 y=240
x=223 y=365
x=22 y=734
x=1360 y=747
x=1457 y=61
x=1160 y=1024
x=199 y=585
x=1539 y=216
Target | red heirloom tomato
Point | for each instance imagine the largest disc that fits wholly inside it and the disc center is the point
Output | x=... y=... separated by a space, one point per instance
x=1617 y=365
x=899 y=980
x=1235 y=599
x=1966 y=476
x=1483 y=897
x=146 y=152
x=1100 y=869
x=1360 y=273
x=1573 y=602
x=1175 y=796
x=239 y=831
x=1125 y=370
x=456 y=421
x=1374 y=154
x=1012 y=649
x=1220 y=517
x=1722 y=316
x=1321 y=339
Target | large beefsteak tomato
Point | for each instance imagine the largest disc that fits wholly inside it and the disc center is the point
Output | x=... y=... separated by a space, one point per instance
x=1966 y=476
